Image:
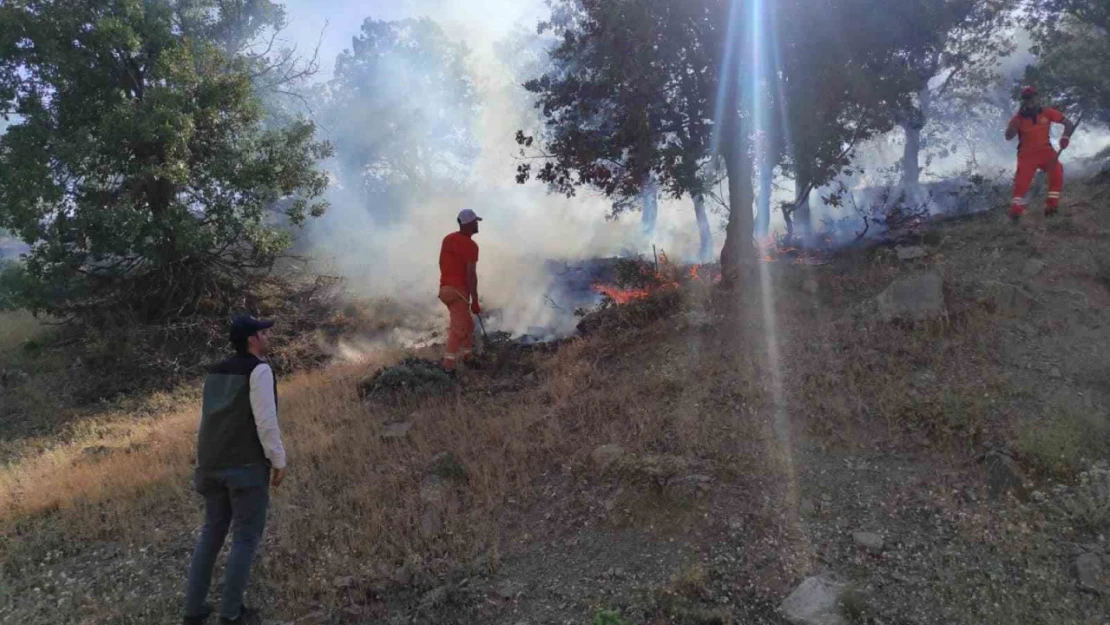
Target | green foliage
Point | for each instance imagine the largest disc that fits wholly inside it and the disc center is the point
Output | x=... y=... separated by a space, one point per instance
x=1073 y=45
x=13 y=282
x=139 y=169
x=1069 y=438
x=410 y=377
x=608 y=617
x=854 y=605
x=1088 y=503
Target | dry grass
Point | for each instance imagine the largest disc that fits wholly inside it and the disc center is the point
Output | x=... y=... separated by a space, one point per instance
x=352 y=504
x=353 y=507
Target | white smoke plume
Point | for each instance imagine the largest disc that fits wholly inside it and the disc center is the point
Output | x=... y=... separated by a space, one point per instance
x=523 y=227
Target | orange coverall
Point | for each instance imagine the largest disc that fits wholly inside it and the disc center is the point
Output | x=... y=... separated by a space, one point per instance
x=457 y=252
x=1035 y=152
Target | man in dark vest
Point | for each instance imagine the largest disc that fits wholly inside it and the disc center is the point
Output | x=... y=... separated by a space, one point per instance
x=239 y=456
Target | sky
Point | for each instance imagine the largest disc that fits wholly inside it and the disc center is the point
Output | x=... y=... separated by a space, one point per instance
x=480 y=23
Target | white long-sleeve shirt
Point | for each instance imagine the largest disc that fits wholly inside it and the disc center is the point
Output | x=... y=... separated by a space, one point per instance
x=264 y=406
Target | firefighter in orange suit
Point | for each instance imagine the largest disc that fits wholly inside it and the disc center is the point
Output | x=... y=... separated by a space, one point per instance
x=1032 y=126
x=458 y=287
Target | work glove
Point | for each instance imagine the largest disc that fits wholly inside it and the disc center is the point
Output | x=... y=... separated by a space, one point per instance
x=475 y=307
x=1064 y=143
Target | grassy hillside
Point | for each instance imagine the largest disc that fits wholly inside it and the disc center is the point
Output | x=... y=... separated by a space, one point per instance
x=690 y=464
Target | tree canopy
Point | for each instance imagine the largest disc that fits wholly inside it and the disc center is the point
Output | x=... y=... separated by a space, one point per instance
x=138 y=168
x=1073 y=48
x=652 y=89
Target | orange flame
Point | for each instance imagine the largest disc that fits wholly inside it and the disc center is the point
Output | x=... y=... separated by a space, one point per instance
x=621 y=296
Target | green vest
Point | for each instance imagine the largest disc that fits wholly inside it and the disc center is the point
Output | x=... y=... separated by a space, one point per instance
x=228 y=436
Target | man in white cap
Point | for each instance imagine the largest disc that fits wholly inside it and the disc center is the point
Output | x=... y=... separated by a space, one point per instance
x=458 y=287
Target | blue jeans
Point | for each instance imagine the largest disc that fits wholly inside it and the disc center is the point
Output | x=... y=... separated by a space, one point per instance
x=233 y=498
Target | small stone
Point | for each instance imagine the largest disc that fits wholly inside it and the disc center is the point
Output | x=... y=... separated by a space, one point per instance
x=606 y=455
x=507 y=591
x=1055 y=373
x=1088 y=568
x=911 y=252
x=806 y=507
x=433 y=490
x=1033 y=268
x=815 y=602
x=1003 y=473
x=344 y=582
x=431 y=523
x=396 y=431
x=923 y=380
x=869 y=540
x=915 y=298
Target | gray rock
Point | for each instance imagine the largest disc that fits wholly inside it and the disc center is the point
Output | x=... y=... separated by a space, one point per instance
x=507 y=591
x=923 y=380
x=396 y=431
x=433 y=490
x=344 y=582
x=806 y=507
x=915 y=298
x=1088 y=569
x=1055 y=373
x=870 y=541
x=1033 y=268
x=815 y=602
x=1003 y=473
x=911 y=252
x=606 y=455
x=403 y=575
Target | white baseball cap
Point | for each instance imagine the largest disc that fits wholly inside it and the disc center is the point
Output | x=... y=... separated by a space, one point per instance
x=467 y=216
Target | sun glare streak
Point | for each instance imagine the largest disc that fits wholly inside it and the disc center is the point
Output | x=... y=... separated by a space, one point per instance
x=758 y=82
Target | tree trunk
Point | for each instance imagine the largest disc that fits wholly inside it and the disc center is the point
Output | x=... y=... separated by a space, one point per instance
x=803 y=216
x=705 y=249
x=911 y=159
x=650 y=196
x=763 y=202
x=911 y=167
x=738 y=255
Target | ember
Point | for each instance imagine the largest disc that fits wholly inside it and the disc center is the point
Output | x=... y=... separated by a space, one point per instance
x=647 y=278
x=774 y=250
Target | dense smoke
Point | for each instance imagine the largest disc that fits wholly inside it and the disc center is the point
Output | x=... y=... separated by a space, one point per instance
x=386 y=242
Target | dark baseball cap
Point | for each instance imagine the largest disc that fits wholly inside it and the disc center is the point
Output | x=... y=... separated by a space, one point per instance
x=245 y=326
